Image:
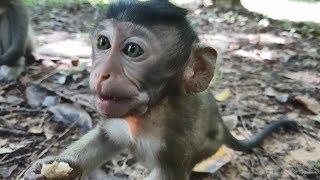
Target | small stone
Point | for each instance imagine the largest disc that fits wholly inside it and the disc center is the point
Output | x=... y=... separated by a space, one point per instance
x=35 y=95
x=69 y=113
x=51 y=101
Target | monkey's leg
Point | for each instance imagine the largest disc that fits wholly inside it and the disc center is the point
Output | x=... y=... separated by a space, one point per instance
x=247 y=144
x=90 y=151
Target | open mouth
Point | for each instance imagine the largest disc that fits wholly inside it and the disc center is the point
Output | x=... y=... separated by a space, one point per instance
x=113 y=106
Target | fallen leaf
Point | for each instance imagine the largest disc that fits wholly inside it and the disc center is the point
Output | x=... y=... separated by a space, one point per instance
x=6 y=172
x=216 y=161
x=35 y=95
x=6 y=150
x=20 y=145
x=14 y=100
x=281 y=97
x=224 y=95
x=317 y=118
x=230 y=121
x=302 y=155
x=48 y=132
x=35 y=130
x=3 y=142
x=310 y=103
x=259 y=123
x=304 y=76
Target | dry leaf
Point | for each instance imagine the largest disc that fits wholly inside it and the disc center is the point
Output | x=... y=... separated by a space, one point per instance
x=230 y=121
x=3 y=142
x=304 y=76
x=5 y=150
x=317 y=118
x=281 y=97
x=224 y=95
x=5 y=172
x=310 y=103
x=48 y=133
x=56 y=170
x=35 y=130
x=216 y=161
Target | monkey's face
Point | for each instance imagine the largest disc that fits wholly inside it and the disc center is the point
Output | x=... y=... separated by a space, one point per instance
x=123 y=55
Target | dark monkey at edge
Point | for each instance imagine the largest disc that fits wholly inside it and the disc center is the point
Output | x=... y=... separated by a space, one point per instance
x=15 y=39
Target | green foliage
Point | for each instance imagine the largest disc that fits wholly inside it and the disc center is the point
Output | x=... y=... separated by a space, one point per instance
x=64 y=2
x=307 y=0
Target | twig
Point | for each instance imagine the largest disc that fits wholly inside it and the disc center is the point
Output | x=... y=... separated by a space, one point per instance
x=19 y=109
x=15 y=132
x=3 y=87
x=15 y=158
x=48 y=147
x=4 y=157
x=263 y=167
x=55 y=71
x=59 y=137
x=311 y=135
x=68 y=96
x=239 y=114
x=276 y=163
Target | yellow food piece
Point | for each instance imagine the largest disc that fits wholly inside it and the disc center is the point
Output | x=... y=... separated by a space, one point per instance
x=224 y=95
x=216 y=161
x=56 y=170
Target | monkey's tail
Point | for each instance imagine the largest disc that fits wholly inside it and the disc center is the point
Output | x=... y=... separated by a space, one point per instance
x=246 y=145
x=18 y=23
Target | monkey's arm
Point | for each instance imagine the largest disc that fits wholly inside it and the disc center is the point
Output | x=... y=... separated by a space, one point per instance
x=91 y=150
x=18 y=19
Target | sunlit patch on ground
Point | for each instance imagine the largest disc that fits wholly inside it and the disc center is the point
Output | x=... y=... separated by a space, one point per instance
x=285 y=9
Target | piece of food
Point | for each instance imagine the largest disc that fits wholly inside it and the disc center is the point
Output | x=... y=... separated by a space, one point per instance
x=56 y=170
x=224 y=95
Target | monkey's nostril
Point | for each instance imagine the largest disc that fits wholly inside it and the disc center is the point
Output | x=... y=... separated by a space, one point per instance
x=105 y=76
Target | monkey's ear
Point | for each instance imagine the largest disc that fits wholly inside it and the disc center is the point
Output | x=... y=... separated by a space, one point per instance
x=200 y=69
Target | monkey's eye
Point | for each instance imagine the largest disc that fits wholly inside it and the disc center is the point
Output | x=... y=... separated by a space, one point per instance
x=133 y=50
x=103 y=43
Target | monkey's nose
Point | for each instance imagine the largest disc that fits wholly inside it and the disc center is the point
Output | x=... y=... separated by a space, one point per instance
x=105 y=77
x=100 y=79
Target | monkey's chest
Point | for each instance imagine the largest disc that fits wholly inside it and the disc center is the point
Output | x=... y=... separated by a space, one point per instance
x=147 y=150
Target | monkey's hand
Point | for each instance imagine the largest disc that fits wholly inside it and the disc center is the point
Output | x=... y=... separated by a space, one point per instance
x=34 y=172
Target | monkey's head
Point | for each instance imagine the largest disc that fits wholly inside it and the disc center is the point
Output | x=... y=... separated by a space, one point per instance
x=144 y=51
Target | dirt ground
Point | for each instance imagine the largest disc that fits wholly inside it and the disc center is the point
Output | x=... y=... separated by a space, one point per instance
x=272 y=69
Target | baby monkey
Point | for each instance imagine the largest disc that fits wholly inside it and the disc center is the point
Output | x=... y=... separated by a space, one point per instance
x=151 y=77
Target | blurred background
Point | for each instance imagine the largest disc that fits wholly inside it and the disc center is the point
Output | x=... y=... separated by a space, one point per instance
x=270 y=69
